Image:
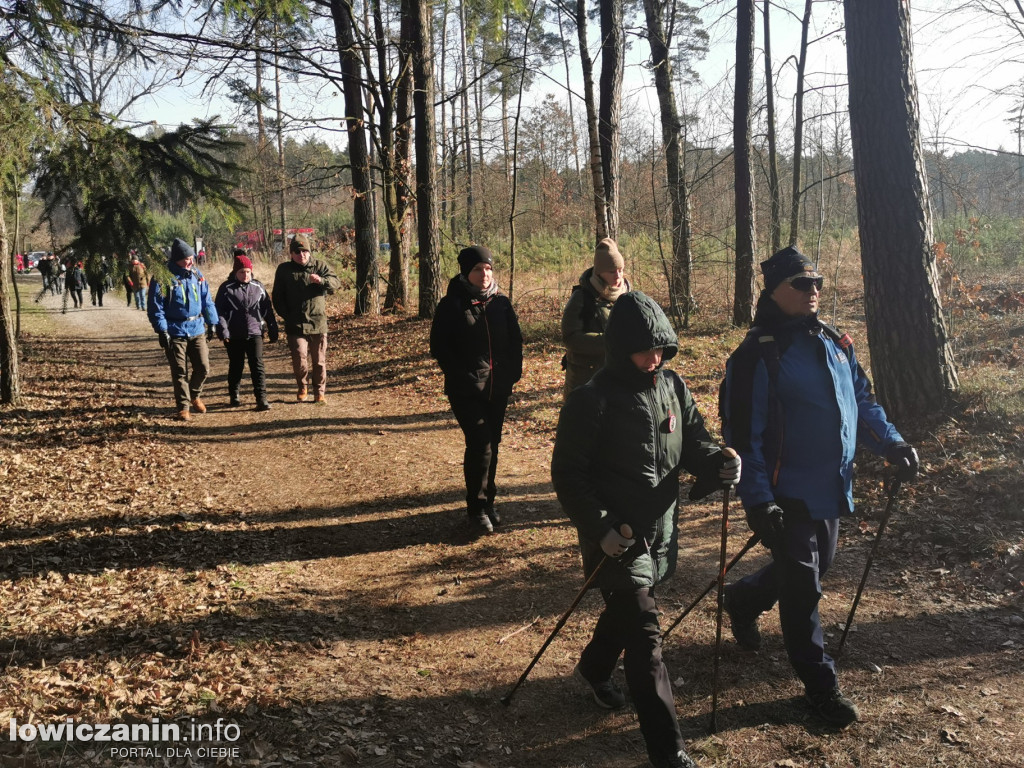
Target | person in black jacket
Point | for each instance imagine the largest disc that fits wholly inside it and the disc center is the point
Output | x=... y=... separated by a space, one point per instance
x=244 y=309
x=475 y=338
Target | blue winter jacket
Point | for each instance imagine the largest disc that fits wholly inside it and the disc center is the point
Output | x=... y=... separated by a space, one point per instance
x=183 y=308
x=824 y=406
x=243 y=308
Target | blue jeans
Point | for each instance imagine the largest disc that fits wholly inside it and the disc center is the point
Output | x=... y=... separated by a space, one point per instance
x=140 y=298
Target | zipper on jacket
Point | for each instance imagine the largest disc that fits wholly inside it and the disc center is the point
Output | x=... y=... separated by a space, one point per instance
x=490 y=351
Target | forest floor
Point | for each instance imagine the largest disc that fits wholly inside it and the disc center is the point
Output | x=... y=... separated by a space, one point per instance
x=304 y=579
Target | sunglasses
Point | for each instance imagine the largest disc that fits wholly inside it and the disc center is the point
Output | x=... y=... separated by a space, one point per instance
x=805 y=283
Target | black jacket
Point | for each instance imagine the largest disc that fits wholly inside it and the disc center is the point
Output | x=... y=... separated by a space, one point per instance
x=477 y=343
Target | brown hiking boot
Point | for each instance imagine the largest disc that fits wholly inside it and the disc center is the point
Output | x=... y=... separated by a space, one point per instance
x=301 y=394
x=183 y=414
x=198 y=405
x=321 y=400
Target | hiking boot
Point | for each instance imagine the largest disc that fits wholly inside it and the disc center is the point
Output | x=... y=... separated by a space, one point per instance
x=832 y=707
x=300 y=396
x=234 y=402
x=183 y=415
x=679 y=760
x=320 y=400
x=607 y=694
x=493 y=515
x=482 y=521
x=262 y=405
x=197 y=403
x=744 y=629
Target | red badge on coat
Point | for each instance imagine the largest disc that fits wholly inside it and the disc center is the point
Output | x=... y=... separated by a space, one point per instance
x=671 y=422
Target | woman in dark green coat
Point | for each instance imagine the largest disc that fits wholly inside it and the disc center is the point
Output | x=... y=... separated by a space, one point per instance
x=622 y=440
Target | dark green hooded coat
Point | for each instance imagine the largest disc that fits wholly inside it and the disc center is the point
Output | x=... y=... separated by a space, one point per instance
x=622 y=440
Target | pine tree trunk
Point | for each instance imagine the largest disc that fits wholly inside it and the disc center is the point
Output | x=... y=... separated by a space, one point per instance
x=596 y=174
x=613 y=44
x=359 y=158
x=775 y=214
x=798 y=128
x=421 y=47
x=10 y=383
x=743 y=299
x=911 y=360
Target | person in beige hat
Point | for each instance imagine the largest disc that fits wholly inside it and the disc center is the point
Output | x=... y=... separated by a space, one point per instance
x=301 y=286
x=586 y=314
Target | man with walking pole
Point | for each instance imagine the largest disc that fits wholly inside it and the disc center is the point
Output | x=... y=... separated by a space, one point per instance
x=622 y=440
x=795 y=404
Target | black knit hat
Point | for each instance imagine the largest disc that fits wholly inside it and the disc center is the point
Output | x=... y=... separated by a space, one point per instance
x=473 y=255
x=785 y=263
x=181 y=250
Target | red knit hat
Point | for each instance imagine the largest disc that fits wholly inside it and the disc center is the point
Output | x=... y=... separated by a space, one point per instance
x=242 y=262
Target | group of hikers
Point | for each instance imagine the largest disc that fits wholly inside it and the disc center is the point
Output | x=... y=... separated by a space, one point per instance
x=794 y=405
x=185 y=316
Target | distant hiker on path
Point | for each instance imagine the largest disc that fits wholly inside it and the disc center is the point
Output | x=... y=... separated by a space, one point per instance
x=140 y=281
x=179 y=313
x=301 y=287
x=75 y=285
x=475 y=338
x=796 y=403
x=623 y=439
x=586 y=314
x=244 y=309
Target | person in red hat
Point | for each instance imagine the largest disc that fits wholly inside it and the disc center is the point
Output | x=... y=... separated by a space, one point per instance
x=244 y=308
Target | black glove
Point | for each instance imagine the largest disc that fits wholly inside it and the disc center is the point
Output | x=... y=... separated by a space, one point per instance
x=220 y=333
x=209 y=333
x=272 y=335
x=904 y=458
x=163 y=340
x=766 y=520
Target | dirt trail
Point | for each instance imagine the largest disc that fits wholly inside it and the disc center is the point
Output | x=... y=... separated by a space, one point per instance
x=319 y=585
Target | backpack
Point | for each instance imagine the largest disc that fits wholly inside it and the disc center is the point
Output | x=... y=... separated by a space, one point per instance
x=738 y=419
x=587 y=314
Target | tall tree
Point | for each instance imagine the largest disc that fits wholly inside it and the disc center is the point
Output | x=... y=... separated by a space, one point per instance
x=362 y=181
x=911 y=359
x=743 y=298
x=775 y=209
x=594 y=139
x=613 y=51
x=798 y=126
x=672 y=143
x=420 y=45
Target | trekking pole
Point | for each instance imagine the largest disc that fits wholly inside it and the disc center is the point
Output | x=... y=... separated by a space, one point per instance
x=754 y=538
x=718 y=613
x=894 y=488
x=626 y=532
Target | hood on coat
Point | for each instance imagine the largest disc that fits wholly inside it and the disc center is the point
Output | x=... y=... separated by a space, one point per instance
x=636 y=324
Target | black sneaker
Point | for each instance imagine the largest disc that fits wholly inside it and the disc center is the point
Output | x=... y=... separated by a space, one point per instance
x=834 y=708
x=607 y=694
x=482 y=521
x=263 y=406
x=679 y=760
x=744 y=629
x=493 y=516
x=234 y=402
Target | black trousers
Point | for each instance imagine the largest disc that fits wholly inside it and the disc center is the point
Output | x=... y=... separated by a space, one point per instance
x=629 y=625
x=481 y=422
x=239 y=350
x=793 y=579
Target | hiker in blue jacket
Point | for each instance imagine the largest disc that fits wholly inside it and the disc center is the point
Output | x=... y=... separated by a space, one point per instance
x=796 y=404
x=183 y=314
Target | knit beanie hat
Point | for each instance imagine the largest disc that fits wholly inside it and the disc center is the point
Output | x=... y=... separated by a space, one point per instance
x=241 y=262
x=607 y=257
x=471 y=256
x=238 y=251
x=785 y=263
x=181 y=250
x=299 y=243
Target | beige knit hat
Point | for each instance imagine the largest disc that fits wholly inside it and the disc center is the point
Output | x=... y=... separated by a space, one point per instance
x=607 y=257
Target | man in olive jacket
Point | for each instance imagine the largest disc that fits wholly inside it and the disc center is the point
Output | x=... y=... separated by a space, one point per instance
x=300 y=288
x=622 y=440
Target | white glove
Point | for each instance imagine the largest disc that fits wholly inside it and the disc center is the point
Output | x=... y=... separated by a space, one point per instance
x=729 y=473
x=614 y=543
